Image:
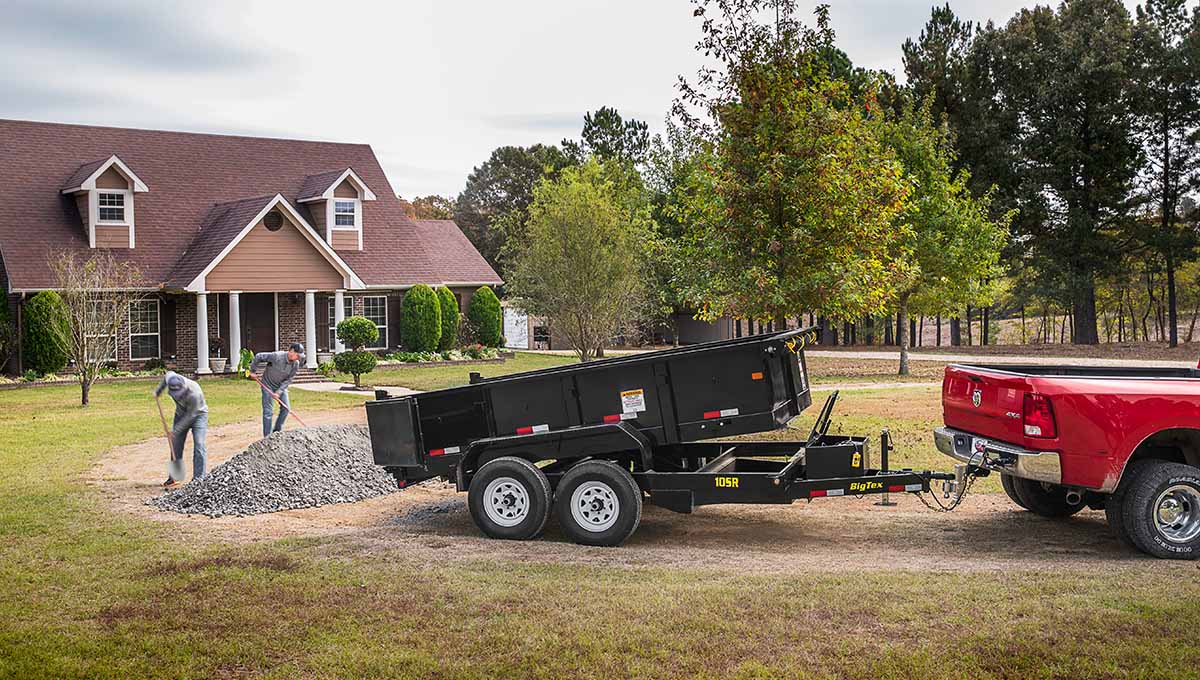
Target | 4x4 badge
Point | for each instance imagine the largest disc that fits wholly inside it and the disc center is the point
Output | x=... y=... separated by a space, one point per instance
x=977 y=397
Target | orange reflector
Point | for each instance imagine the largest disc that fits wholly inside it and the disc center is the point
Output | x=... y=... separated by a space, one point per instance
x=757 y=375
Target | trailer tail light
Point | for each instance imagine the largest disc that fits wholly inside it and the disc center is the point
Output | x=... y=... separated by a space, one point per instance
x=443 y=452
x=1038 y=417
x=618 y=417
x=723 y=413
x=533 y=429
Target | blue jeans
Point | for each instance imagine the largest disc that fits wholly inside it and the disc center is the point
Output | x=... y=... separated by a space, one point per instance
x=199 y=430
x=268 y=410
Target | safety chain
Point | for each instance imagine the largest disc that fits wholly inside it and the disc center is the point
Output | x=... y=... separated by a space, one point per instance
x=947 y=508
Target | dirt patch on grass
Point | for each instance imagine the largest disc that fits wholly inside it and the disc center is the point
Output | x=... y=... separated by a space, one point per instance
x=277 y=563
x=430 y=524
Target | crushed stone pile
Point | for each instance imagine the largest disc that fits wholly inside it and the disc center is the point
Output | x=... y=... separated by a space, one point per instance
x=291 y=469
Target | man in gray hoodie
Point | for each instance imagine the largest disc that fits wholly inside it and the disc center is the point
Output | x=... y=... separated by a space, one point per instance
x=276 y=370
x=191 y=414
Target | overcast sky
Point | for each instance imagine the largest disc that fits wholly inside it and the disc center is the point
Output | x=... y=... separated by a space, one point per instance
x=432 y=86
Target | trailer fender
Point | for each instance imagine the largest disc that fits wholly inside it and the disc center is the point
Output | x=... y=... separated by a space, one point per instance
x=571 y=442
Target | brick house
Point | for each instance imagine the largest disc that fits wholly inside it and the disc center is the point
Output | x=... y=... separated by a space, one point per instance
x=260 y=242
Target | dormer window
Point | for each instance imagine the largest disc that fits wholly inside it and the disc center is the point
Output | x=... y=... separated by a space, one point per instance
x=345 y=214
x=103 y=192
x=335 y=201
x=111 y=206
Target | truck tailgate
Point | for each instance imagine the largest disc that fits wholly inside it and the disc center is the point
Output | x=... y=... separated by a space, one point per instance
x=984 y=403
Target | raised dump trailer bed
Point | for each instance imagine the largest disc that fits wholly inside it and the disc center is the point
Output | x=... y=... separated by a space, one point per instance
x=589 y=441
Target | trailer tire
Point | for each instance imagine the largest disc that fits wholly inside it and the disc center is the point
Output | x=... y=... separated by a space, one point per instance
x=1161 y=510
x=510 y=498
x=1006 y=481
x=598 y=503
x=1047 y=500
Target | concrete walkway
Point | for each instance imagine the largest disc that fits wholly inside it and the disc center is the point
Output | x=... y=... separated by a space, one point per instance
x=337 y=387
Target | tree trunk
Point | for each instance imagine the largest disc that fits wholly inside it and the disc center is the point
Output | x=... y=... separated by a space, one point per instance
x=1083 y=314
x=939 y=330
x=955 y=332
x=85 y=389
x=1172 y=306
x=1192 y=327
x=902 y=328
x=985 y=335
x=1022 y=324
x=887 y=331
x=869 y=328
x=970 y=340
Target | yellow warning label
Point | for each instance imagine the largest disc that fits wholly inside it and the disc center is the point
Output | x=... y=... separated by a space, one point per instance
x=633 y=401
x=856 y=461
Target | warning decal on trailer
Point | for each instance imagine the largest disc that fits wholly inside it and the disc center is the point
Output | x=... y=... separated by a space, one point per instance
x=633 y=401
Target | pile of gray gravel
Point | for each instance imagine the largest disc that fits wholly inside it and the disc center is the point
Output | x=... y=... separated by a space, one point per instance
x=291 y=469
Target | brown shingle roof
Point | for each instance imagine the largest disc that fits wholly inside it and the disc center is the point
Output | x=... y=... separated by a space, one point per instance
x=315 y=185
x=188 y=173
x=83 y=173
x=453 y=255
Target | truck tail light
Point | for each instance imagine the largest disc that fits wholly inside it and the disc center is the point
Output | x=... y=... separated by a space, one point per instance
x=1038 y=417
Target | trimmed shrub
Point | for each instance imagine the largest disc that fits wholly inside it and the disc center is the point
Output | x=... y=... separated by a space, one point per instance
x=355 y=362
x=485 y=317
x=44 y=344
x=450 y=318
x=421 y=320
x=357 y=332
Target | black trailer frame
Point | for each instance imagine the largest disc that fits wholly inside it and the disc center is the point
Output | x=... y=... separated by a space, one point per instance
x=672 y=404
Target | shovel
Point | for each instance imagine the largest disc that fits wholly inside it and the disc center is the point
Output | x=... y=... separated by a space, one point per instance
x=277 y=401
x=174 y=465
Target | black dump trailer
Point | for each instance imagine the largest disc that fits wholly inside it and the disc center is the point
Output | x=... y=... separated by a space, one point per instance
x=591 y=441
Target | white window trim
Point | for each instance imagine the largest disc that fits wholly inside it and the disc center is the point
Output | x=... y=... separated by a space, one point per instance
x=383 y=334
x=126 y=203
x=357 y=214
x=158 y=334
x=94 y=214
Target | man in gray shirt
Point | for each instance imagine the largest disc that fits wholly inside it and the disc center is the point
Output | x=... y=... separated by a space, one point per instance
x=276 y=370
x=191 y=414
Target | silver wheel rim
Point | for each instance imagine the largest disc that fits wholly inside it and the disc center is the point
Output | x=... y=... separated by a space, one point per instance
x=506 y=502
x=1177 y=513
x=594 y=506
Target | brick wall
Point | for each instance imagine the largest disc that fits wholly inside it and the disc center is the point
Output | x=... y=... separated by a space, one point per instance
x=185 y=332
x=291 y=319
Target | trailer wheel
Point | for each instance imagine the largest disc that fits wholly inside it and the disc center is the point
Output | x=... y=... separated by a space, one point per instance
x=1006 y=481
x=1161 y=510
x=1047 y=500
x=598 y=503
x=510 y=498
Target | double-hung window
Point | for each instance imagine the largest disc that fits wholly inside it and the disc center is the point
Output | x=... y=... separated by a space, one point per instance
x=100 y=344
x=345 y=214
x=348 y=311
x=111 y=206
x=144 y=330
x=375 y=309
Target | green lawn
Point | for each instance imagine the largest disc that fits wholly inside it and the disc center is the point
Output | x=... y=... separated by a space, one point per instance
x=437 y=376
x=87 y=593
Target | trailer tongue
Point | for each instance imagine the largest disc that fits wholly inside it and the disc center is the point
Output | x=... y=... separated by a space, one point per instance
x=590 y=441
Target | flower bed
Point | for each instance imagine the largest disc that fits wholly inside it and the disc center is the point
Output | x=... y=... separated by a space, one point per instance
x=32 y=379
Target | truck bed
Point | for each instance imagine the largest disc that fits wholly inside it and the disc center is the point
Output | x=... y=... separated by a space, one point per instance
x=1066 y=371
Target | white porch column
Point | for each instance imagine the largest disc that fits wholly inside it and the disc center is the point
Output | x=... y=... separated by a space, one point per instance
x=235 y=329
x=310 y=328
x=339 y=315
x=202 y=334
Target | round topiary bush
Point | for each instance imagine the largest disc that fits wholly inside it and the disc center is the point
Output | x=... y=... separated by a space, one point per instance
x=357 y=332
x=45 y=321
x=450 y=318
x=421 y=320
x=355 y=362
x=485 y=317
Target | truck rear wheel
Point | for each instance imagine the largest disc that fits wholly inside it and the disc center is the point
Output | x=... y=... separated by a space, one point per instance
x=1047 y=500
x=1006 y=481
x=510 y=498
x=1161 y=510
x=1114 y=505
x=598 y=503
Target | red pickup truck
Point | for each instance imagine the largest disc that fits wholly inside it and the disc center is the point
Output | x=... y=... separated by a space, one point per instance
x=1067 y=437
